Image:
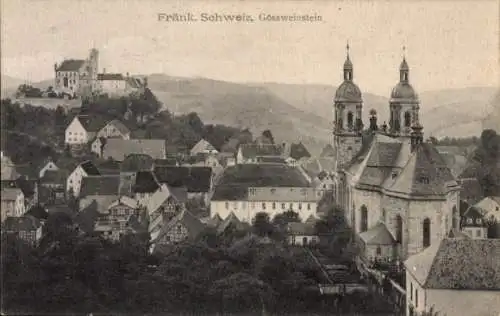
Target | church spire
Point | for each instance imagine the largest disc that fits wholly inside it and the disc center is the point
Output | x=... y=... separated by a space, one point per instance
x=404 y=70
x=348 y=69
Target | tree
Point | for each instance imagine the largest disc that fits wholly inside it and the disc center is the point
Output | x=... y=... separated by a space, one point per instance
x=281 y=220
x=268 y=135
x=262 y=224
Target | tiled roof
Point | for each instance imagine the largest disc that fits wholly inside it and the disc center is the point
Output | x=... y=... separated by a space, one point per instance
x=298 y=151
x=378 y=235
x=471 y=170
x=195 y=179
x=230 y=193
x=119 y=149
x=124 y=200
x=10 y=194
x=38 y=212
x=271 y=159
x=473 y=214
x=189 y=221
x=230 y=221
x=137 y=162
x=71 y=65
x=100 y=185
x=255 y=150
x=302 y=229
x=110 y=76
x=159 y=197
x=265 y=175
x=461 y=264
x=203 y=147
x=145 y=182
x=18 y=224
x=92 y=123
x=90 y=168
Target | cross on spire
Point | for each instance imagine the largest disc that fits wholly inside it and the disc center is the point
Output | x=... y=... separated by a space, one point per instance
x=404 y=52
x=347 y=48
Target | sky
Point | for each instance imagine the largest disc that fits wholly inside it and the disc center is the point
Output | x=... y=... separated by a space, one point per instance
x=449 y=44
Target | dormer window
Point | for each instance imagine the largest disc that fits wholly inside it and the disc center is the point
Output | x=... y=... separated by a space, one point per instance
x=478 y=221
x=469 y=221
x=424 y=179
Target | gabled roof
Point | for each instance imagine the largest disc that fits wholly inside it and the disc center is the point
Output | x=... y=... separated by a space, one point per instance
x=230 y=221
x=186 y=219
x=159 y=197
x=215 y=221
x=473 y=218
x=71 y=65
x=119 y=126
x=90 y=168
x=302 y=229
x=256 y=150
x=100 y=185
x=124 y=200
x=137 y=162
x=54 y=177
x=378 y=235
x=92 y=123
x=109 y=167
x=24 y=223
x=203 y=146
x=119 y=149
x=145 y=182
x=461 y=264
x=195 y=179
x=110 y=76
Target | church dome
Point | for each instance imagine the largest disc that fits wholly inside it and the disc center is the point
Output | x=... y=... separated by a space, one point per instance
x=348 y=91
x=404 y=90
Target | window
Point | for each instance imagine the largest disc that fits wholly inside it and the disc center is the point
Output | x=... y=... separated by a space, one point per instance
x=478 y=221
x=399 y=229
x=478 y=233
x=407 y=119
x=469 y=221
x=416 y=298
x=424 y=179
x=300 y=206
x=274 y=205
x=273 y=191
x=291 y=205
x=379 y=251
x=426 y=232
x=455 y=217
x=308 y=206
x=411 y=291
x=264 y=206
x=227 y=205
x=350 y=119
x=363 y=224
x=283 y=206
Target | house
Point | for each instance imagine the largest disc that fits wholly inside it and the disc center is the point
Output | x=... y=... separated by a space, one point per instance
x=12 y=203
x=26 y=228
x=113 y=84
x=474 y=224
x=144 y=187
x=119 y=149
x=184 y=226
x=163 y=205
x=295 y=153
x=46 y=166
x=213 y=222
x=82 y=129
x=29 y=189
x=253 y=153
x=247 y=189
x=301 y=234
x=230 y=223
x=203 y=147
x=113 y=224
x=74 y=181
x=101 y=189
x=77 y=77
x=197 y=180
x=377 y=244
x=109 y=167
x=53 y=187
x=114 y=129
x=455 y=277
x=489 y=206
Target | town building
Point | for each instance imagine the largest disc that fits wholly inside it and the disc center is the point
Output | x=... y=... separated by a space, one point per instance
x=301 y=234
x=82 y=129
x=8 y=171
x=113 y=224
x=473 y=223
x=456 y=276
x=77 y=77
x=101 y=189
x=116 y=84
x=53 y=186
x=46 y=166
x=118 y=149
x=489 y=206
x=144 y=187
x=114 y=129
x=390 y=175
x=26 y=228
x=74 y=181
x=246 y=189
x=203 y=147
x=259 y=153
x=12 y=203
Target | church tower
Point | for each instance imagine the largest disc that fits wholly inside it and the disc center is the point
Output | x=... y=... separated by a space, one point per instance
x=348 y=123
x=404 y=105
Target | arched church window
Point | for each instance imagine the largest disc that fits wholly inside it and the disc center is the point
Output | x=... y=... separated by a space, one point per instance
x=65 y=82
x=426 y=232
x=383 y=215
x=455 y=217
x=407 y=119
x=350 y=120
x=363 y=224
x=399 y=228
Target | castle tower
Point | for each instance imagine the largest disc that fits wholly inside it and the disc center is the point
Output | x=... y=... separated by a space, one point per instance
x=404 y=105
x=348 y=123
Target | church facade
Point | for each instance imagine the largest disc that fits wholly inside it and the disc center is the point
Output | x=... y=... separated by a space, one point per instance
x=388 y=175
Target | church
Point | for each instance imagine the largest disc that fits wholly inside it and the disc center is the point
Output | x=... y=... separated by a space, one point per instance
x=388 y=176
